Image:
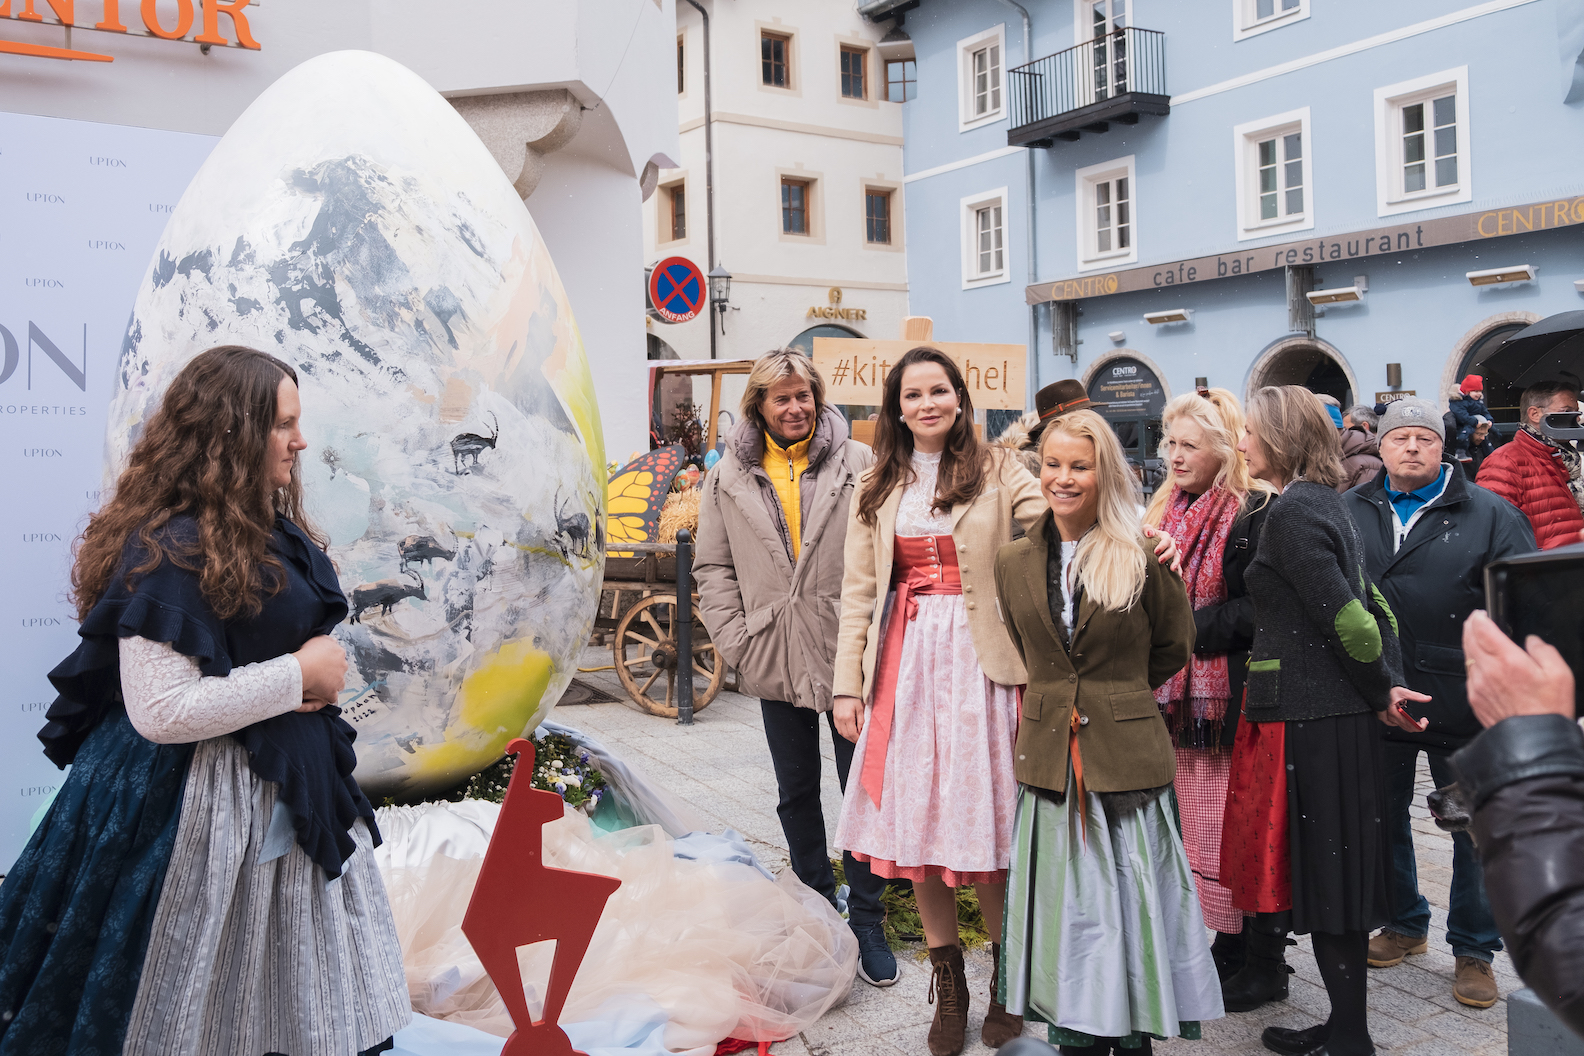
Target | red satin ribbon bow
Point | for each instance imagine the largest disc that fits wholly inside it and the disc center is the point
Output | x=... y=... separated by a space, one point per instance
x=921 y=564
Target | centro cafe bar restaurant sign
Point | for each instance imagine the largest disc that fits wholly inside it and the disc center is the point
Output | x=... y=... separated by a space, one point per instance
x=179 y=21
x=1404 y=238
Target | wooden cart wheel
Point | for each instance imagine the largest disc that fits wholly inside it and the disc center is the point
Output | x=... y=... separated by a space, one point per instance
x=645 y=652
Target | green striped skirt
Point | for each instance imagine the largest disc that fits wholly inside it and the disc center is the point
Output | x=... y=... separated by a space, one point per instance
x=1104 y=935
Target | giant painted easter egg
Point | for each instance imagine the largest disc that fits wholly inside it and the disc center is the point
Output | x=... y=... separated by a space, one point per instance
x=352 y=224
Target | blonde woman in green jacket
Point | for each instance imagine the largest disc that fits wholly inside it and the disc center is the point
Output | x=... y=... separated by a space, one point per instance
x=1104 y=937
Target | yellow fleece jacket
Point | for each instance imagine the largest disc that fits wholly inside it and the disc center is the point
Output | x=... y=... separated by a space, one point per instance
x=785 y=469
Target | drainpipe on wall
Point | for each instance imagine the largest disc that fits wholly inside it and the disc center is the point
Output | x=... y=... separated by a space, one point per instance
x=1032 y=367
x=709 y=164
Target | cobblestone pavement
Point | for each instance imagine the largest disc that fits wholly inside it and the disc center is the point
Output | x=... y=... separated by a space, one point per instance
x=721 y=767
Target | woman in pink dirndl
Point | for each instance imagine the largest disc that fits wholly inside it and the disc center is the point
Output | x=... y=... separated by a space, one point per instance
x=922 y=645
x=1214 y=509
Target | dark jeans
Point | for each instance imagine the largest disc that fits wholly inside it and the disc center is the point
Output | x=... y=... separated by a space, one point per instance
x=1471 y=930
x=794 y=737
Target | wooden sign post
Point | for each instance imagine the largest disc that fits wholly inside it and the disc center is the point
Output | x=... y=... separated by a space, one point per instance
x=855 y=369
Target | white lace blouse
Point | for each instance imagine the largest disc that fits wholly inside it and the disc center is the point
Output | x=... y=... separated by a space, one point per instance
x=170 y=701
x=914 y=515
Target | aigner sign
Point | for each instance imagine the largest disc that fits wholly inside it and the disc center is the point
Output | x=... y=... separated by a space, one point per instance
x=186 y=14
x=834 y=310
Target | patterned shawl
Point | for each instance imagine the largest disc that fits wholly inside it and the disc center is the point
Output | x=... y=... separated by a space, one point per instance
x=1200 y=524
x=1570 y=462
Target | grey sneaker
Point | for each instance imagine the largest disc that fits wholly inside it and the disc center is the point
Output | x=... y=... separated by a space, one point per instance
x=876 y=963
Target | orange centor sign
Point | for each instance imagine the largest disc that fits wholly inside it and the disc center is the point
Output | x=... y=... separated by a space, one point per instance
x=186 y=13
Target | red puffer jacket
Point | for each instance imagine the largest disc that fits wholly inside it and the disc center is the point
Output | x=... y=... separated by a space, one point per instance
x=1531 y=476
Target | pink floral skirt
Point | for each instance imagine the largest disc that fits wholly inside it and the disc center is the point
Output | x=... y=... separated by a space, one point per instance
x=950 y=792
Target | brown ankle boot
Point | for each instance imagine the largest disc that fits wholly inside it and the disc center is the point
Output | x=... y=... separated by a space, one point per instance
x=948 y=992
x=999 y=1026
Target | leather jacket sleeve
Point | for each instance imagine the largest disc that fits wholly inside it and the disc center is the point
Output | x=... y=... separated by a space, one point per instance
x=1524 y=777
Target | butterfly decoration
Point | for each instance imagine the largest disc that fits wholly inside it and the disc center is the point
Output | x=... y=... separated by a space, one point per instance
x=637 y=492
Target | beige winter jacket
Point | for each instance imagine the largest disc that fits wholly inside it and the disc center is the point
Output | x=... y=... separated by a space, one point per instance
x=775 y=622
x=979 y=529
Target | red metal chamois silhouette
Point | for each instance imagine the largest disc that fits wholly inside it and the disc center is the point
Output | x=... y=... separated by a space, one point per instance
x=519 y=900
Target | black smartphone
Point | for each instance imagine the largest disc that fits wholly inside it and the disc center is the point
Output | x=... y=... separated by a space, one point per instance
x=1541 y=594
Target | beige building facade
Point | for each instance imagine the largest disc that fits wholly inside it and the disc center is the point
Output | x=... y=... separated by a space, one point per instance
x=806 y=146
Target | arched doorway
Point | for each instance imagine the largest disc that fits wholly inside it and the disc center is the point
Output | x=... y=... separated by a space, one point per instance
x=804 y=342
x=1309 y=362
x=1500 y=395
x=659 y=348
x=1469 y=356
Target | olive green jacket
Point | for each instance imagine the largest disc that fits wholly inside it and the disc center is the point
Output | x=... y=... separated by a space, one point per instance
x=1109 y=673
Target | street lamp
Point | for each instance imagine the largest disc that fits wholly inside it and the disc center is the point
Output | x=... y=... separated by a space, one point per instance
x=720 y=292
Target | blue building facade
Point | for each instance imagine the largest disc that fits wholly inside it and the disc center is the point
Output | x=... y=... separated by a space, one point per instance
x=1146 y=190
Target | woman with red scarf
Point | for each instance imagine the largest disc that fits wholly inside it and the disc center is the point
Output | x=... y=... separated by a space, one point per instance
x=1214 y=509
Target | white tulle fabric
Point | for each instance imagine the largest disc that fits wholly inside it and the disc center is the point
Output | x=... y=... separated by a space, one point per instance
x=950 y=794
x=724 y=951
x=170 y=701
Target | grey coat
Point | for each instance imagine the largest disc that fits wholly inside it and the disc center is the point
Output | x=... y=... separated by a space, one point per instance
x=774 y=622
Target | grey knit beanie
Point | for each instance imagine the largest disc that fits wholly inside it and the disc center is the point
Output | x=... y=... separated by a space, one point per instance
x=1410 y=410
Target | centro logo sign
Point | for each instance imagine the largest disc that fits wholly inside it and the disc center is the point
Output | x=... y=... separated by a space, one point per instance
x=1124 y=372
x=189 y=14
x=12 y=353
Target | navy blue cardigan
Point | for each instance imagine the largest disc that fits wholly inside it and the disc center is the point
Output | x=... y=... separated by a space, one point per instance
x=309 y=755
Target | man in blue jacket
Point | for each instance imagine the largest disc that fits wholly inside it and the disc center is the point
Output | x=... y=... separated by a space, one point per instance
x=1427 y=535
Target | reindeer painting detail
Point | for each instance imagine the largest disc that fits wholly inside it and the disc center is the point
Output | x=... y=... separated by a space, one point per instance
x=473 y=444
x=385 y=593
x=572 y=532
x=421 y=548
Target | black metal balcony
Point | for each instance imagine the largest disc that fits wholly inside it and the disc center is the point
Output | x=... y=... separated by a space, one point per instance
x=1112 y=78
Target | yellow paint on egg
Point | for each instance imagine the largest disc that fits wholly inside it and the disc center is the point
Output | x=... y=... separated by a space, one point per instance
x=495 y=704
x=575 y=385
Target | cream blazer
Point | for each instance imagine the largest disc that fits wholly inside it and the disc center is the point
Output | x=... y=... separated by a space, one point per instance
x=979 y=529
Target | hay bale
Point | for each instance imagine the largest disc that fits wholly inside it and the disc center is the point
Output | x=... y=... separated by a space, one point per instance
x=681 y=510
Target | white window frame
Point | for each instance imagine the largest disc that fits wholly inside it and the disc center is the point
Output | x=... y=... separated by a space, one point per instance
x=1083 y=70
x=967 y=120
x=664 y=213
x=1089 y=257
x=972 y=277
x=1246 y=139
x=1247 y=23
x=1083 y=25
x=1390 y=198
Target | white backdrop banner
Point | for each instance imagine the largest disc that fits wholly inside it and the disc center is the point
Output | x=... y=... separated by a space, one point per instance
x=83 y=206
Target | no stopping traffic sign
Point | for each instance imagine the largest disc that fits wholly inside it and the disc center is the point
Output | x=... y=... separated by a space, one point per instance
x=676 y=289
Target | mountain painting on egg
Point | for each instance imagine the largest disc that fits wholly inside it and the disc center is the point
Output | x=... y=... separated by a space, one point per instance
x=455 y=456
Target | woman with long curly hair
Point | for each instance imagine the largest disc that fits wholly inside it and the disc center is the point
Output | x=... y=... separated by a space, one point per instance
x=1104 y=937
x=921 y=642
x=205 y=879
x=1215 y=510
